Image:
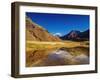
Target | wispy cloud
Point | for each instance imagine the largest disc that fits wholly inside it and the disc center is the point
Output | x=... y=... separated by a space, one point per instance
x=57 y=34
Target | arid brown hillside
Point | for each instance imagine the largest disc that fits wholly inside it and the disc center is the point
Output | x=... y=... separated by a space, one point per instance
x=35 y=32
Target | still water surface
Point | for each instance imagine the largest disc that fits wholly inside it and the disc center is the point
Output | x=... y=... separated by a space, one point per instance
x=54 y=58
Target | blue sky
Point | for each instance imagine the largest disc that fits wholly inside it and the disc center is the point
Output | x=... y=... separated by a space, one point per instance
x=60 y=23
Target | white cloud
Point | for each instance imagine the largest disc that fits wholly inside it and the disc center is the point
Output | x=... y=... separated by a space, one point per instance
x=57 y=34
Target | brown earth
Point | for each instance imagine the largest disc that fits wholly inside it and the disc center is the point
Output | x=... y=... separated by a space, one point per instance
x=35 y=32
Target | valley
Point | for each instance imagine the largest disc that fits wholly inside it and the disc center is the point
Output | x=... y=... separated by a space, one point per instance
x=46 y=49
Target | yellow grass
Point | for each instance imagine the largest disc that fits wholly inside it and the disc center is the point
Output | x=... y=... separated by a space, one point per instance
x=37 y=51
x=37 y=45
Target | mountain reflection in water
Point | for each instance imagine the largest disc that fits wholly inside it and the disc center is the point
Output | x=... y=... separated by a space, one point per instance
x=54 y=58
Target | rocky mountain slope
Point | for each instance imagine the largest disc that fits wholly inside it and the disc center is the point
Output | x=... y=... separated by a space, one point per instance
x=76 y=35
x=34 y=32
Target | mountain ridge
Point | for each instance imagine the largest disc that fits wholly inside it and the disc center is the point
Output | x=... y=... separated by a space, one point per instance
x=35 y=32
x=76 y=35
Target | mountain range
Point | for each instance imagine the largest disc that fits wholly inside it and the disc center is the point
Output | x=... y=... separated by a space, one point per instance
x=35 y=32
x=76 y=35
